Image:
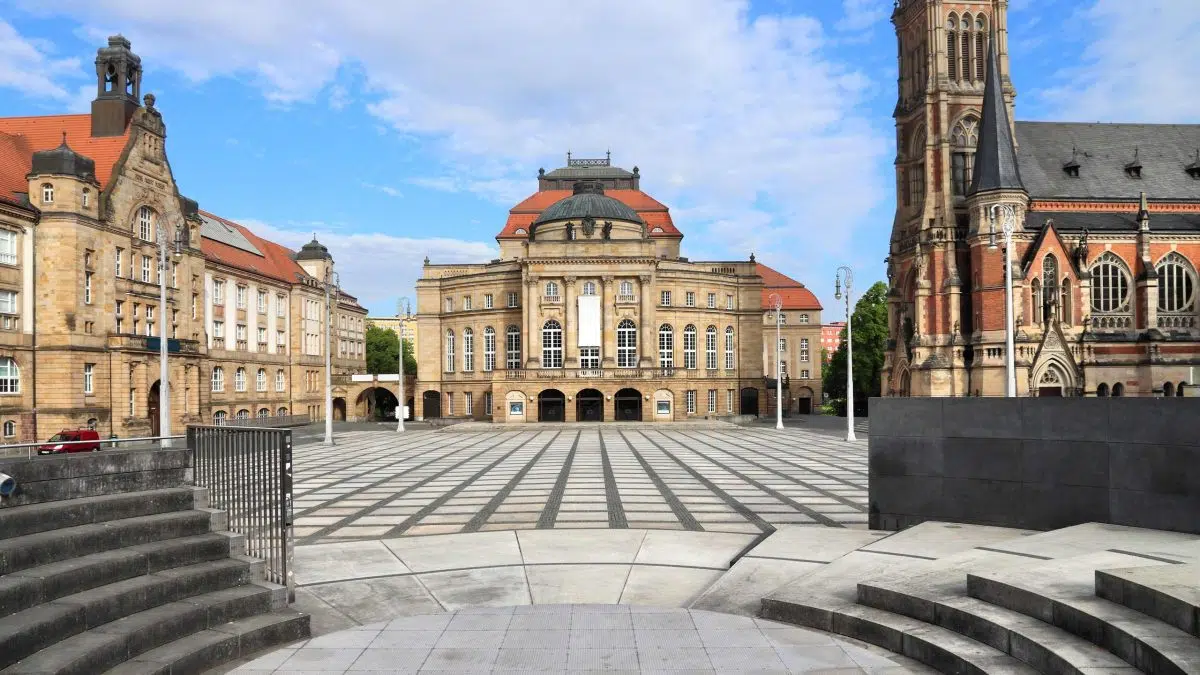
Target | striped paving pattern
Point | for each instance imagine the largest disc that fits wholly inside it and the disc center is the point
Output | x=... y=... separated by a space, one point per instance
x=377 y=484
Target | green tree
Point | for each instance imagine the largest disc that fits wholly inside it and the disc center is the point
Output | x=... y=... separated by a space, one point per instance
x=383 y=350
x=870 y=325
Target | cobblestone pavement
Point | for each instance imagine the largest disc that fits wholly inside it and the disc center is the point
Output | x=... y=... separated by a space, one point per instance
x=378 y=484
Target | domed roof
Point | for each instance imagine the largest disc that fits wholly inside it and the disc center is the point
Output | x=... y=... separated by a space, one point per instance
x=589 y=200
x=314 y=250
x=63 y=161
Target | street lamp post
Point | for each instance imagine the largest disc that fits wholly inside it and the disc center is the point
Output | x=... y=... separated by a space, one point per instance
x=403 y=309
x=164 y=387
x=1008 y=219
x=330 y=275
x=777 y=305
x=846 y=273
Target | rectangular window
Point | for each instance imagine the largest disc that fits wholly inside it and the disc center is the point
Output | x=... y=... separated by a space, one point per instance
x=87 y=288
x=218 y=292
x=665 y=299
x=729 y=400
x=89 y=376
x=712 y=300
x=469 y=404
x=804 y=375
x=281 y=305
x=450 y=403
x=487 y=403
x=132 y=402
x=729 y=301
x=466 y=303
x=241 y=297
x=782 y=345
x=280 y=338
x=262 y=302
x=449 y=304
x=120 y=325
x=8 y=247
x=689 y=299
x=174 y=275
x=690 y=399
x=218 y=329
x=8 y=302
x=512 y=299
x=262 y=335
x=146 y=269
x=712 y=400
x=240 y=332
x=149 y=312
x=589 y=357
x=195 y=303
x=487 y=300
x=804 y=350
x=512 y=349
x=117 y=260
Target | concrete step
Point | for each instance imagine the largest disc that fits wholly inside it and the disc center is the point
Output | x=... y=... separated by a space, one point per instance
x=42 y=548
x=24 y=520
x=29 y=587
x=207 y=649
x=1062 y=593
x=1169 y=593
x=113 y=643
x=29 y=631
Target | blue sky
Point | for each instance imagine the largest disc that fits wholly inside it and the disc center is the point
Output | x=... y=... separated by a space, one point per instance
x=400 y=130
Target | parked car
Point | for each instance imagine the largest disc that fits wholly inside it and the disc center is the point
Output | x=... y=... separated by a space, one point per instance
x=58 y=442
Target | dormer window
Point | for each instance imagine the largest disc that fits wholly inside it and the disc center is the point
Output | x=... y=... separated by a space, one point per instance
x=1134 y=168
x=47 y=193
x=1193 y=169
x=1071 y=168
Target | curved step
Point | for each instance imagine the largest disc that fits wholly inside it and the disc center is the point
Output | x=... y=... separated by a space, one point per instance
x=36 y=628
x=1045 y=648
x=1169 y=593
x=114 y=643
x=19 y=521
x=42 y=548
x=35 y=585
x=207 y=649
x=1144 y=642
x=942 y=649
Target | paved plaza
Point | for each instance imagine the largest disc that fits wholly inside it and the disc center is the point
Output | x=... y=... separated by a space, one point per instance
x=716 y=478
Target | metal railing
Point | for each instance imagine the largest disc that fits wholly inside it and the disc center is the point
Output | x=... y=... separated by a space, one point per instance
x=248 y=473
x=268 y=422
x=68 y=448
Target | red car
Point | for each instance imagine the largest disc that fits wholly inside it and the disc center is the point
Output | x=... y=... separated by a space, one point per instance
x=58 y=442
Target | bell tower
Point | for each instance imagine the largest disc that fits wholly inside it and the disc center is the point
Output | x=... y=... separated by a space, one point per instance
x=118 y=87
x=942 y=52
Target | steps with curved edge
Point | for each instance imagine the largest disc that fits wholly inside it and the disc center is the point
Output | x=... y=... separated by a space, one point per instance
x=1169 y=593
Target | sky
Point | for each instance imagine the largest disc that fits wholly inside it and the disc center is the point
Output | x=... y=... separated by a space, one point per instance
x=400 y=130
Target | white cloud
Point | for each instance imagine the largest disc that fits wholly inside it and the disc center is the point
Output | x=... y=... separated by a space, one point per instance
x=863 y=14
x=385 y=189
x=29 y=67
x=1138 y=65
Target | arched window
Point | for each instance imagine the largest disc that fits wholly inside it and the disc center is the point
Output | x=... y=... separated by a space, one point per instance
x=666 y=346
x=589 y=288
x=218 y=378
x=449 y=351
x=1064 y=303
x=552 y=345
x=1176 y=284
x=1110 y=285
x=86 y=197
x=1049 y=289
x=964 y=54
x=263 y=413
x=239 y=379
x=951 y=43
x=243 y=414
x=729 y=347
x=282 y=412
x=964 y=139
x=512 y=348
x=915 y=189
x=1102 y=390
x=10 y=376
x=280 y=380
x=10 y=428
x=47 y=193
x=626 y=344
x=689 y=347
x=260 y=380
x=489 y=349
x=468 y=350
x=710 y=348
x=551 y=289
x=626 y=288
x=219 y=417
x=145 y=219
x=1169 y=389
x=1179 y=388
x=980 y=59
x=1035 y=292
x=1118 y=390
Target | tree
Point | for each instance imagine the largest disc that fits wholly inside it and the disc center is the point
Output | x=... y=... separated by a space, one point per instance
x=382 y=352
x=870 y=323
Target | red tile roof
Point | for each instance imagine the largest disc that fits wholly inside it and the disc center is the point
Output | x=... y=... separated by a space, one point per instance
x=27 y=135
x=275 y=262
x=794 y=294
x=654 y=212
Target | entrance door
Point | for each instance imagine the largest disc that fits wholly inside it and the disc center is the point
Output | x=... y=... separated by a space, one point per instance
x=749 y=401
x=152 y=409
x=589 y=406
x=432 y=402
x=552 y=406
x=1052 y=392
x=629 y=405
x=804 y=406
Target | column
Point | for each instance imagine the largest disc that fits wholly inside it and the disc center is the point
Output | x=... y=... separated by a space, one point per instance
x=646 y=332
x=607 y=309
x=571 y=329
x=532 y=330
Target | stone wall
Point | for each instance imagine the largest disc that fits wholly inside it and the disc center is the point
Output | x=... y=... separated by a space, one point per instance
x=57 y=477
x=1036 y=463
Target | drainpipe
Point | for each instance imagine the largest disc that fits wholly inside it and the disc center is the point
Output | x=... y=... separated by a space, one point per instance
x=34 y=334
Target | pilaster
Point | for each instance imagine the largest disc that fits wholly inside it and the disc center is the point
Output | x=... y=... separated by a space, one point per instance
x=607 y=350
x=571 y=330
x=647 y=313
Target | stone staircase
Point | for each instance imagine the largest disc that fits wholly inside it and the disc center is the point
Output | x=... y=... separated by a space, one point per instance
x=132 y=582
x=1083 y=600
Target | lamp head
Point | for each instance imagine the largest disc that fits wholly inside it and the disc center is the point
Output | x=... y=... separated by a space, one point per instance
x=837 y=287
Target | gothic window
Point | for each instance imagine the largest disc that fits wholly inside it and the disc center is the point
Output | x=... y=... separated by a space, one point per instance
x=666 y=346
x=965 y=55
x=552 y=345
x=979 y=54
x=729 y=348
x=626 y=344
x=689 y=347
x=1035 y=292
x=1176 y=284
x=1064 y=303
x=1110 y=285
x=489 y=349
x=710 y=348
x=468 y=350
x=964 y=138
x=1047 y=310
x=449 y=351
x=512 y=348
x=951 y=42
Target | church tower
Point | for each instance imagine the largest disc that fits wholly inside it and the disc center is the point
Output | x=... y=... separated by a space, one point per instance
x=118 y=87
x=943 y=59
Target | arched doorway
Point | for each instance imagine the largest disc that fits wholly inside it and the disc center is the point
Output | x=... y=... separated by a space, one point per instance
x=628 y=404
x=152 y=403
x=589 y=406
x=749 y=401
x=375 y=403
x=804 y=401
x=1052 y=382
x=906 y=383
x=431 y=404
x=552 y=406
x=339 y=410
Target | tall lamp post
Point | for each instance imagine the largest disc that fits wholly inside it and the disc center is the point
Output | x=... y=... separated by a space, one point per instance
x=330 y=275
x=777 y=305
x=162 y=233
x=403 y=311
x=846 y=273
x=1008 y=219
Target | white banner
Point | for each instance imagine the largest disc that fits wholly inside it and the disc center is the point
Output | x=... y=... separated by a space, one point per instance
x=589 y=321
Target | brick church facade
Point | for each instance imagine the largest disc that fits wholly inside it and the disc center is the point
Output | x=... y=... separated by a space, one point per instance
x=1105 y=243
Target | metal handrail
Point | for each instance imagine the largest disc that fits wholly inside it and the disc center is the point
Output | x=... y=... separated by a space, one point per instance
x=31 y=447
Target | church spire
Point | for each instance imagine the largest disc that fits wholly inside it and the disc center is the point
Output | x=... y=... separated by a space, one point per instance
x=996 y=156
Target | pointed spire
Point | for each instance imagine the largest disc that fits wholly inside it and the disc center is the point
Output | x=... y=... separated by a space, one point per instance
x=1144 y=212
x=996 y=156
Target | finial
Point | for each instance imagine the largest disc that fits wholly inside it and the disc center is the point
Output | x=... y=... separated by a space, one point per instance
x=1144 y=205
x=568 y=158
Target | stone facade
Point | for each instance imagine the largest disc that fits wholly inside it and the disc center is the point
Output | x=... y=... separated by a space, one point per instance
x=79 y=285
x=799 y=334
x=1105 y=241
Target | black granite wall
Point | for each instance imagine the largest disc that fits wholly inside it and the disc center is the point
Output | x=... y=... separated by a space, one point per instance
x=1035 y=463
